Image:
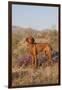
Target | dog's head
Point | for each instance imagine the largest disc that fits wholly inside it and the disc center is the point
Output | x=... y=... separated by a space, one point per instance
x=30 y=40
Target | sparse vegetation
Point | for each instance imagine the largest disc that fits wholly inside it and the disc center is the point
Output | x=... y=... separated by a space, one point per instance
x=22 y=71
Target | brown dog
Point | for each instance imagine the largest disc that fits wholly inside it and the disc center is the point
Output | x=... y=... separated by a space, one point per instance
x=35 y=48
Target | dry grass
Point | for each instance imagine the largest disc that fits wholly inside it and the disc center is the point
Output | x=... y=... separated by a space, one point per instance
x=26 y=75
x=41 y=75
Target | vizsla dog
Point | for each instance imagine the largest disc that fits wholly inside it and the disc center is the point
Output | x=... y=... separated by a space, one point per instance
x=35 y=48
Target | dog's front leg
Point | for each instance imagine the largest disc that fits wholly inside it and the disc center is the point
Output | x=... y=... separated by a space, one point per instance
x=33 y=60
x=35 y=56
x=36 y=61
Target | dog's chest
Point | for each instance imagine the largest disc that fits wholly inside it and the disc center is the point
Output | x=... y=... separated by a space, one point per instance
x=32 y=49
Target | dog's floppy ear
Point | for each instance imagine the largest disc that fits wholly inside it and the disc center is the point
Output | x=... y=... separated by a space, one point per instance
x=27 y=40
x=33 y=40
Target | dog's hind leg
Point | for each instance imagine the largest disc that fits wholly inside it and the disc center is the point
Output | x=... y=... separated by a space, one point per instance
x=48 y=53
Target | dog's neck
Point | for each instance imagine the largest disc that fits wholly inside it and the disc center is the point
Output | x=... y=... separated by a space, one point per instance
x=31 y=45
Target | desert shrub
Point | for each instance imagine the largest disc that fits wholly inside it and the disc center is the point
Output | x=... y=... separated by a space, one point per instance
x=54 y=39
x=23 y=50
x=15 y=75
x=24 y=60
x=42 y=58
x=55 y=56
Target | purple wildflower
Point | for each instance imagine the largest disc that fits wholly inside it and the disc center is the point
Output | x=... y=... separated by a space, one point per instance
x=24 y=60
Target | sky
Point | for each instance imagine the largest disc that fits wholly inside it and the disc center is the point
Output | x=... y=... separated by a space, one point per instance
x=36 y=17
